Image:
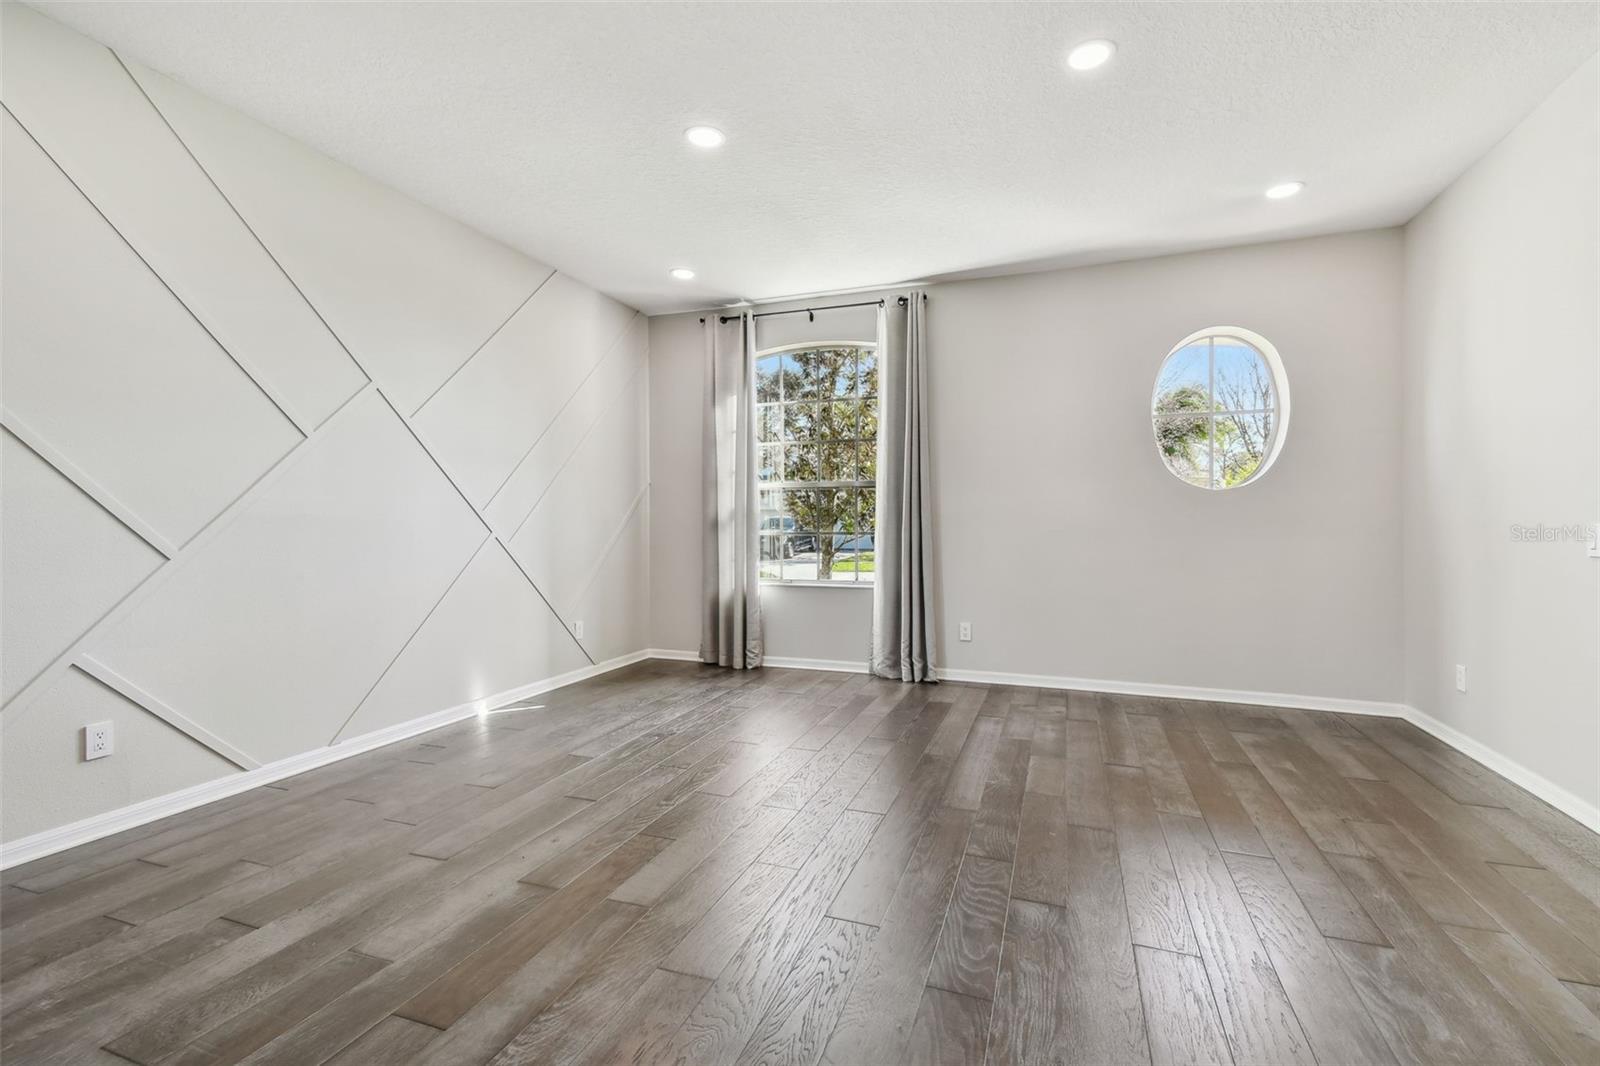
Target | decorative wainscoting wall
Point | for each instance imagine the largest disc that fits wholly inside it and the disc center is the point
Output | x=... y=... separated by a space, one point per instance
x=288 y=458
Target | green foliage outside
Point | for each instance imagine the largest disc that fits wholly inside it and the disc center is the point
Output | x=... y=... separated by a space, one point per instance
x=1242 y=424
x=817 y=422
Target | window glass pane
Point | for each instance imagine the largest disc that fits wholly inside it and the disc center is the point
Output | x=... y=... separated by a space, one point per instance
x=866 y=462
x=1185 y=381
x=838 y=462
x=819 y=510
x=768 y=462
x=803 y=508
x=799 y=380
x=771 y=510
x=1185 y=444
x=868 y=372
x=842 y=557
x=768 y=421
x=826 y=369
x=792 y=375
x=852 y=557
x=771 y=566
x=826 y=420
x=799 y=421
x=800 y=462
x=812 y=386
x=1243 y=382
x=844 y=419
x=767 y=378
x=866 y=506
x=849 y=508
x=844 y=382
x=1235 y=382
x=1241 y=446
x=799 y=561
x=837 y=421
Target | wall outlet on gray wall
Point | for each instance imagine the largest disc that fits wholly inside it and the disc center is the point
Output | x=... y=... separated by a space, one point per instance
x=98 y=741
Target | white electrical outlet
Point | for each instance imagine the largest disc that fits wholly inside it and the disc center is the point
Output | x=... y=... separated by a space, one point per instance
x=966 y=630
x=1461 y=678
x=98 y=741
x=577 y=630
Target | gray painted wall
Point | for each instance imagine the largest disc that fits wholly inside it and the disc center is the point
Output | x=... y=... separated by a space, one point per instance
x=1061 y=536
x=1502 y=428
x=287 y=458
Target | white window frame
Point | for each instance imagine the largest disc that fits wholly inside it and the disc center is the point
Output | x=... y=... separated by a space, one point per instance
x=1280 y=386
x=762 y=486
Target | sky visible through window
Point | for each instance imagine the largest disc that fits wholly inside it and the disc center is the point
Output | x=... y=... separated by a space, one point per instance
x=1214 y=411
x=817 y=433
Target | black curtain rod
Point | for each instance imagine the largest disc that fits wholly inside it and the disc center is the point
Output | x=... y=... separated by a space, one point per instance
x=812 y=311
x=725 y=319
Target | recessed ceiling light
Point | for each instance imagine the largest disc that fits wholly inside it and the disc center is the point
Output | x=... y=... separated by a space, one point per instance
x=1090 y=54
x=1286 y=190
x=683 y=273
x=705 y=136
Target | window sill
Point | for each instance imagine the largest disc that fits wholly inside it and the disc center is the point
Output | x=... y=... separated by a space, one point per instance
x=769 y=583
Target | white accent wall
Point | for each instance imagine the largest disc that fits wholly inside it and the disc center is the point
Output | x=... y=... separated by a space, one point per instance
x=1059 y=533
x=287 y=458
x=1502 y=429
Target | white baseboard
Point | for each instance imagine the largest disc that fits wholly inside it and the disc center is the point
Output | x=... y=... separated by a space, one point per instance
x=1179 y=692
x=1562 y=800
x=50 y=841
x=1573 y=806
x=675 y=656
x=832 y=665
x=1088 y=684
x=60 y=838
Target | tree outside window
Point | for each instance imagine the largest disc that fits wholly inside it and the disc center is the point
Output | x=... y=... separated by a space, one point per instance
x=1215 y=411
x=817 y=433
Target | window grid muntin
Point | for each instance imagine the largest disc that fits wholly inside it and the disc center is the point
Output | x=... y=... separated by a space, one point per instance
x=774 y=414
x=1213 y=412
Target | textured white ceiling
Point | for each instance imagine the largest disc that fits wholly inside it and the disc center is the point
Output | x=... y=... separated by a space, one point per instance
x=871 y=144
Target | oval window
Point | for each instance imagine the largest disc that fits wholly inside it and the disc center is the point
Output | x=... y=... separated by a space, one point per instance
x=1220 y=408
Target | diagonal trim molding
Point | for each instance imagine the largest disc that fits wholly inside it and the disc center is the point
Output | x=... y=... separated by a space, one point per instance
x=482 y=344
x=25 y=434
x=592 y=371
x=248 y=229
x=251 y=374
x=37 y=846
x=605 y=553
x=345 y=722
x=476 y=510
x=145 y=700
x=123 y=678
x=576 y=448
x=208 y=532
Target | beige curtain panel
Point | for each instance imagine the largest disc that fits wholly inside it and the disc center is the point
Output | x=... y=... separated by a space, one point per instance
x=730 y=629
x=903 y=631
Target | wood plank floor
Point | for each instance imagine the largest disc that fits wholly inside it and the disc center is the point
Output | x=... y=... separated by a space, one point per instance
x=675 y=864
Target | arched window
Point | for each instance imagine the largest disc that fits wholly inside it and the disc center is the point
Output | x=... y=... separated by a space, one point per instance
x=817 y=461
x=1221 y=407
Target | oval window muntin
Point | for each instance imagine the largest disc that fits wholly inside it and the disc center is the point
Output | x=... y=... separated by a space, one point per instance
x=1279 y=409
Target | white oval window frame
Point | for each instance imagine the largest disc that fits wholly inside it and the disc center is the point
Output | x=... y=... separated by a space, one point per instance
x=1280 y=385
